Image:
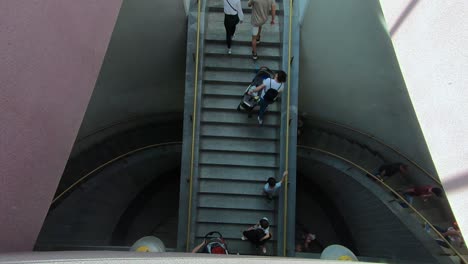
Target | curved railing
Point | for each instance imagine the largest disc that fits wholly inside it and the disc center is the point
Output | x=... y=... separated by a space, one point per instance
x=394 y=192
x=382 y=143
x=100 y=167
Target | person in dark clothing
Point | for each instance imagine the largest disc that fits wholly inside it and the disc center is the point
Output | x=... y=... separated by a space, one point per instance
x=388 y=170
x=233 y=15
x=258 y=234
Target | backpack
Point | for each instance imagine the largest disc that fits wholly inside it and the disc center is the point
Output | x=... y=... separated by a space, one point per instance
x=271 y=94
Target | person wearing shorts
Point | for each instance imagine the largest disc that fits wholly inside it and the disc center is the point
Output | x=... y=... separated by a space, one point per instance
x=260 y=9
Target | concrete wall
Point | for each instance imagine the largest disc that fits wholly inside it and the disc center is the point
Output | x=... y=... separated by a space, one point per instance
x=430 y=39
x=349 y=74
x=50 y=55
x=144 y=68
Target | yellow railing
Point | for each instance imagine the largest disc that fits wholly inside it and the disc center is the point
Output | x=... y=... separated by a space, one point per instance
x=393 y=192
x=194 y=124
x=108 y=163
x=384 y=144
x=286 y=159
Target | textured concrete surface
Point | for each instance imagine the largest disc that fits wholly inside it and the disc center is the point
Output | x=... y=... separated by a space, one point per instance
x=430 y=39
x=349 y=73
x=377 y=231
x=50 y=56
x=144 y=69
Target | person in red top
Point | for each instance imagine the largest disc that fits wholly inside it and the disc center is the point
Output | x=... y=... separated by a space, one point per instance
x=423 y=192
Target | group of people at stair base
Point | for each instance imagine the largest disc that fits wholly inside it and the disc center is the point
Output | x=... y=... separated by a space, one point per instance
x=234 y=15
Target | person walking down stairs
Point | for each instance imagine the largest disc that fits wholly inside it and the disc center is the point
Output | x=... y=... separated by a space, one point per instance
x=233 y=15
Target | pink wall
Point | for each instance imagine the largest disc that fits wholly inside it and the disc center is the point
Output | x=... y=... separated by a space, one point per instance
x=50 y=56
x=431 y=40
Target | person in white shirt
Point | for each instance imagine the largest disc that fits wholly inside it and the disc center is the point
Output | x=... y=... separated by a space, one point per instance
x=271 y=187
x=232 y=16
x=270 y=90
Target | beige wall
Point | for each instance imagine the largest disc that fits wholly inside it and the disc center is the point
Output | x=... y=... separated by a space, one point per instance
x=431 y=40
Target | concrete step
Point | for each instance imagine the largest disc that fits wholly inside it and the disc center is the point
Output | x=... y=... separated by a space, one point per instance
x=228 y=231
x=226 y=216
x=240 y=49
x=322 y=141
x=248 y=145
x=229 y=77
x=240 y=173
x=245 y=63
x=244 y=39
x=238 y=158
x=239 y=131
x=434 y=215
x=335 y=145
x=225 y=89
x=244 y=30
x=235 y=202
x=236 y=117
x=352 y=151
x=229 y=103
x=232 y=187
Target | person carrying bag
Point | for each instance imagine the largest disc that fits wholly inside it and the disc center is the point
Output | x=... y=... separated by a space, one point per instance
x=232 y=16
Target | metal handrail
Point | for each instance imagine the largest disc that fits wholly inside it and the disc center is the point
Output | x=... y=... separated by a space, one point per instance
x=194 y=122
x=393 y=192
x=286 y=166
x=108 y=163
x=382 y=143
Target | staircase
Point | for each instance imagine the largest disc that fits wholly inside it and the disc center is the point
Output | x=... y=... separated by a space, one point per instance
x=235 y=155
x=436 y=210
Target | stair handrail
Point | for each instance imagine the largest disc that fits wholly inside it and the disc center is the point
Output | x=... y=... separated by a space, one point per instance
x=394 y=192
x=286 y=162
x=194 y=122
x=381 y=142
x=107 y=163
